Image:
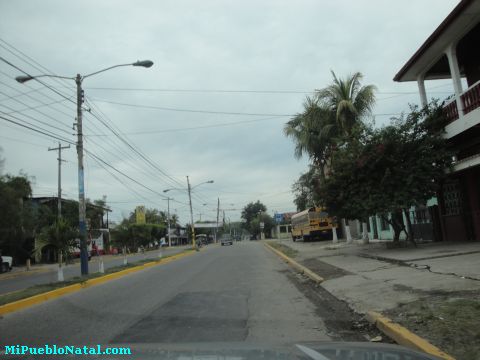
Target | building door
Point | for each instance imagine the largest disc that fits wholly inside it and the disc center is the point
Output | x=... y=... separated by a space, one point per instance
x=453 y=217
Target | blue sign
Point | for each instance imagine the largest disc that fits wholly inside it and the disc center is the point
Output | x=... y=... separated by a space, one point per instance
x=278 y=218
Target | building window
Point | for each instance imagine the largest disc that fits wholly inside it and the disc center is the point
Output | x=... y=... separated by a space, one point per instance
x=283 y=229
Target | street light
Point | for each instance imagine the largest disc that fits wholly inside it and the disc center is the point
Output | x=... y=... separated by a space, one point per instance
x=189 y=189
x=81 y=188
x=168 y=220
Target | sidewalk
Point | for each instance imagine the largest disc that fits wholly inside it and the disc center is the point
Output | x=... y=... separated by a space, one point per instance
x=432 y=290
x=371 y=277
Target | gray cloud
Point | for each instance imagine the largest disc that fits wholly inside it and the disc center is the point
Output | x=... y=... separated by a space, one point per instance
x=248 y=45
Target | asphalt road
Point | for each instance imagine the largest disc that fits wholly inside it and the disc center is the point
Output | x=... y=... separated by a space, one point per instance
x=14 y=281
x=238 y=293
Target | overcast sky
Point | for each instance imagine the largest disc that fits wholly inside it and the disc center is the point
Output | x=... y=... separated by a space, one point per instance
x=263 y=56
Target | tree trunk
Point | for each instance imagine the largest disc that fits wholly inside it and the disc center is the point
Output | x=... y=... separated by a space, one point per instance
x=334 y=235
x=396 y=228
x=60 y=268
x=410 y=234
x=365 y=233
x=348 y=235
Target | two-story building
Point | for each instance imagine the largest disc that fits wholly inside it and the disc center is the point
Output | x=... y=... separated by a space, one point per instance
x=453 y=52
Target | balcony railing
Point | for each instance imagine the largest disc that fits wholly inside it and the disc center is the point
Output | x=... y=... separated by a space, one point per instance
x=451 y=111
x=471 y=98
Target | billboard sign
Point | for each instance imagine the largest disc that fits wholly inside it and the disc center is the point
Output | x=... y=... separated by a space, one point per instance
x=140 y=215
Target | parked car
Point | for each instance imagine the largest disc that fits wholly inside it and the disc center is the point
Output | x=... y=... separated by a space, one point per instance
x=5 y=263
x=226 y=240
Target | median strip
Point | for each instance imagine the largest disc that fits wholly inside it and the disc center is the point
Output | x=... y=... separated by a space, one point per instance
x=302 y=269
x=82 y=284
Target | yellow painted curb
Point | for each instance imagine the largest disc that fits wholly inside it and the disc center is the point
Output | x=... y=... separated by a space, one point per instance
x=40 y=298
x=296 y=265
x=403 y=336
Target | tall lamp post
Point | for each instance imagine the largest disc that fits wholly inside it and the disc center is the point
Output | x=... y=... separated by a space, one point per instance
x=168 y=220
x=189 y=189
x=81 y=188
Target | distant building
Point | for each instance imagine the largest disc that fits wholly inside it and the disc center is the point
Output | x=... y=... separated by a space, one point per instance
x=283 y=227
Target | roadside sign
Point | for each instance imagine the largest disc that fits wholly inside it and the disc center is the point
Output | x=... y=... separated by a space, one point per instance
x=262 y=225
x=278 y=218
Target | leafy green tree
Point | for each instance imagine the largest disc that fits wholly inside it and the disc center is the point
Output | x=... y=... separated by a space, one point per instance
x=389 y=170
x=61 y=235
x=251 y=211
x=173 y=220
x=314 y=132
x=329 y=121
x=15 y=229
x=121 y=236
x=253 y=214
x=305 y=189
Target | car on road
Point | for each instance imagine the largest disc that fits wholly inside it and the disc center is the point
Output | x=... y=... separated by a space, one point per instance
x=5 y=263
x=226 y=240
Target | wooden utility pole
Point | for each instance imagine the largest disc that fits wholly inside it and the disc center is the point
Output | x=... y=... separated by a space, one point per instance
x=59 y=148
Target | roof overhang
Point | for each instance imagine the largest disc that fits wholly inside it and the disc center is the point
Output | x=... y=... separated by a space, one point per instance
x=458 y=23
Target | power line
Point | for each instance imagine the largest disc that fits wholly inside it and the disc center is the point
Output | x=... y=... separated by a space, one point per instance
x=34 y=119
x=21 y=141
x=194 y=127
x=221 y=91
x=44 y=132
x=13 y=111
x=38 y=90
x=126 y=142
x=36 y=79
x=51 y=135
x=188 y=110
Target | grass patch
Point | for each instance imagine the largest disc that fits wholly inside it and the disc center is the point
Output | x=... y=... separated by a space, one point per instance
x=451 y=323
x=43 y=288
x=287 y=250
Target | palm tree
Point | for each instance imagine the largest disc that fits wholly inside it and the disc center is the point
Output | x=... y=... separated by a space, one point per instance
x=313 y=132
x=173 y=220
x=348 y=100
x=334 y=113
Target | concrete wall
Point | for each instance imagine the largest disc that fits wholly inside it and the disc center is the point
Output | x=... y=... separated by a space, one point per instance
x=282 y=231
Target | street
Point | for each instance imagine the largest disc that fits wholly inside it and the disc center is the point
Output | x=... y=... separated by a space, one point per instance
x=47 y=274
x=240 y=293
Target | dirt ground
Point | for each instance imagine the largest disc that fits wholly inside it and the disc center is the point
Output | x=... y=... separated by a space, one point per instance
x=342 y=323
x=449 y=320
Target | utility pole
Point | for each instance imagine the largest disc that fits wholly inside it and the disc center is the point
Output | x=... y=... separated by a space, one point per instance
x=59 y=148
x=191 y=211
x=168 y=220
x=218 y=213
x=82 y=211
x=81 y=188
x=60 y=276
